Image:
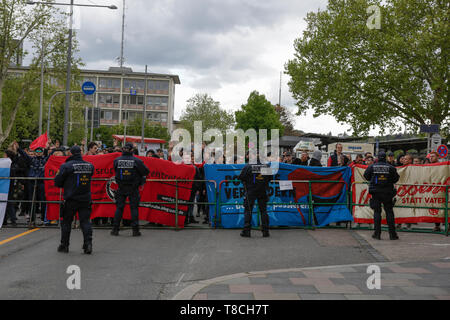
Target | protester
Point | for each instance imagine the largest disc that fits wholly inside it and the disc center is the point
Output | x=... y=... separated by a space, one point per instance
x=92 y=149
x=10 y=211
x=434 y=158
x=400 y=160
x=288 y=158
x=358 y=160
x=417 y=160
x=369 y=161
x=337 y=159
x=407 y=159
x=37 y=170
x=304 y=159
x=391 y=158
x=160 y=153
x=316 y=159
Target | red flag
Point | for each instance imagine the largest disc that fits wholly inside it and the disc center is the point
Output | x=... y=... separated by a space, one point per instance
x=40 y=142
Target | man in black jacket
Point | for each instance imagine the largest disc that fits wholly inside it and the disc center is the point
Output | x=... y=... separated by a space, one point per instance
x=75 y=177
x=382 y=177
x=131 y=173
x=256 y=184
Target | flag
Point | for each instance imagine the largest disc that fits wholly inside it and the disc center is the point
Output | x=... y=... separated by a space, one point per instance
x=5 y=165
x=40 y=142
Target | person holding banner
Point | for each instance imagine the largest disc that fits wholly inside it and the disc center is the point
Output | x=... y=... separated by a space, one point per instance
x=75 y=177
x=131 y=173
x=382 y=177
x=256 y=185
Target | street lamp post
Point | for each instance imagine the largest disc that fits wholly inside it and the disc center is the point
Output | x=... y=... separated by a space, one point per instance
x=50 y=108
x=69 y=56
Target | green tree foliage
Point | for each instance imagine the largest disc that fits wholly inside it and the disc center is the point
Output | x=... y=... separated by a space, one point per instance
x=375 y=77
x=202 y=107
x=19 y=96
x=257 y=114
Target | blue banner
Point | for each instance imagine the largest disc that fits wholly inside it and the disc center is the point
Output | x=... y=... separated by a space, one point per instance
x=288 y=207
x=5 y=165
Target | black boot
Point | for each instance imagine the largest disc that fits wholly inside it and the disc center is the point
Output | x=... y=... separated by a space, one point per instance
x=136 y=232
x=393 y=236
x=376 y=236
x=87 y=248
x=115 y=231
x=245 y=234
x=265 y=234
x=63 y=248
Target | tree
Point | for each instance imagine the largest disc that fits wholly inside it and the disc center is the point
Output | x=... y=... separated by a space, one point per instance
x=202 y=107
x=287 y=119
x=369 y=77
x=257 y=114
x=17 y=25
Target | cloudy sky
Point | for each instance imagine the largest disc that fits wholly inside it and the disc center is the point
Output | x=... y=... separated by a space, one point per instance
x=226 y=48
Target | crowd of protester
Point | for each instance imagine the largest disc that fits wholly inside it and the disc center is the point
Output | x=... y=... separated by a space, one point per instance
x=31 y=163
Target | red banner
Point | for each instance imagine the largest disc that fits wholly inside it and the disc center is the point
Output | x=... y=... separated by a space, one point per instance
x=104 y=191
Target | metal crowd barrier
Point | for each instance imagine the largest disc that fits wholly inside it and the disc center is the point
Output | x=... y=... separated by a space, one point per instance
x=419 y=230
x=218 y=200
x=177 y=202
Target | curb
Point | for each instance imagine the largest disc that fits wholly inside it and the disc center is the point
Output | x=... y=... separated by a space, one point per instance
x=189 y=292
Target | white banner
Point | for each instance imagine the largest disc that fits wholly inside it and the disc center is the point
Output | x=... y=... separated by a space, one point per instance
x=432 y=177
x=5 y=165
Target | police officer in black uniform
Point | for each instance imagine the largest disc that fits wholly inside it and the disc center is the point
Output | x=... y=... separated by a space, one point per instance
x=256 y=184
x=382 y=177
x=131 y=173
x=75 y=177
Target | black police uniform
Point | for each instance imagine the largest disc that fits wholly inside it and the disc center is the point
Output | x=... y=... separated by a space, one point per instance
x=75 y=177
x=130 y=174
x=256 y=185
x=382 y=177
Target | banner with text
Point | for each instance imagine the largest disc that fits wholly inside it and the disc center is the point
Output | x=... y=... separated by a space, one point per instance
x=104 y=191
x=431 y=194
x=291 y=198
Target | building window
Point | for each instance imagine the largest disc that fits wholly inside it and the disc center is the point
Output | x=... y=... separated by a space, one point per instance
x=158 y=101
x=109 y=98
x=133 y=84
x=109 y=83
x=154 y=116
x=163 y=117
x=158 y=85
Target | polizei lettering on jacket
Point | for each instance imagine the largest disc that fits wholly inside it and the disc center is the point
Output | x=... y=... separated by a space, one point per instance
x=125 y=164
x=82 y=168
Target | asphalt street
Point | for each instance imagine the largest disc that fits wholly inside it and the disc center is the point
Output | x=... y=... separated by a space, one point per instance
x=161 y=262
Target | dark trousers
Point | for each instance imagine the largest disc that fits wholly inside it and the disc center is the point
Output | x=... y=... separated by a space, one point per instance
x=38 y=196
x=124 y=192
x=10 y=211
x=386 y=200
x=70 y=208
x=249 y=202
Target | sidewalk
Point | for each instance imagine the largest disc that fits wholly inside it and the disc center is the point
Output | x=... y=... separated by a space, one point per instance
x=399 y=281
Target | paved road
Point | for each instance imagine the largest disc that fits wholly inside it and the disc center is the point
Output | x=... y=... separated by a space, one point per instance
x=161 y=263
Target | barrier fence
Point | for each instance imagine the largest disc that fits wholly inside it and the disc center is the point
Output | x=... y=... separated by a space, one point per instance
x=217 y=203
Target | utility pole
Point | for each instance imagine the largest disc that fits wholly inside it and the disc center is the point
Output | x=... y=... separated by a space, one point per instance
x=279 y=96
x=145 y=111
x=123 y=37
x=41 y=94
x=68 y=79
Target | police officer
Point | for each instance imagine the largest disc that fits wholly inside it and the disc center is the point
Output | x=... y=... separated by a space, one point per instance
x=256 y=184
x=75 y=177
x=382 y=177
x=130 y=174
